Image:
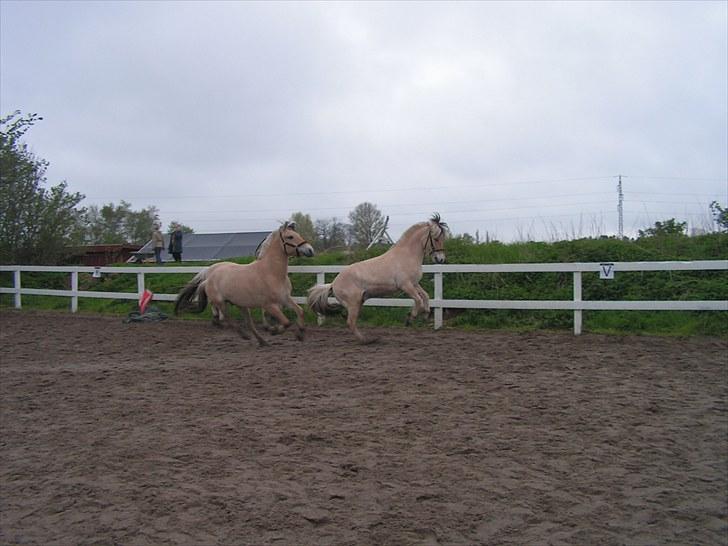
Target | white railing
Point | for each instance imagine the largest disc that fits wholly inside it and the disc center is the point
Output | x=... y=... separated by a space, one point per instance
x=437 y=303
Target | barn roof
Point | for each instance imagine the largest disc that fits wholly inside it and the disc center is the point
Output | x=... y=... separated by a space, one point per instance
x=211 y=246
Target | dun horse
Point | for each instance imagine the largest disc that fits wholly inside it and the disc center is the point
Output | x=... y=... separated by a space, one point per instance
x=400 y=268
x=263 y=283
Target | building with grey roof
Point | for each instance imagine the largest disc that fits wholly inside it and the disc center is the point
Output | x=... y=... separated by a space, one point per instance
x=208 y=246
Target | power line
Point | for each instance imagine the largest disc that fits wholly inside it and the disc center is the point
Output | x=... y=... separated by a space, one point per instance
x=390 y=205
x=682 y=178
x=386 y=189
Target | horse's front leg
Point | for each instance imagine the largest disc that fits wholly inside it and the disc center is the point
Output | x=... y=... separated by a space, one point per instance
x=277 y=315
x=300 y=324
x=425 y=299
x=268 y=326
x=241 y=326
x=415 y=292
x=276 y=312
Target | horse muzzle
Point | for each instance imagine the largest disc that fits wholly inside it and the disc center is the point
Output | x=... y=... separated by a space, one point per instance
x=305 y=250
x=438 y=257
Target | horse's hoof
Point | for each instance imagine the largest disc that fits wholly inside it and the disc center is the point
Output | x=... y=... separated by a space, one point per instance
x=300 y=335
x=368 y=340
x=263 y=343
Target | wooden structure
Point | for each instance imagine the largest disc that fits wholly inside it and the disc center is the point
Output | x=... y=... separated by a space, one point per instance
x=100 y=255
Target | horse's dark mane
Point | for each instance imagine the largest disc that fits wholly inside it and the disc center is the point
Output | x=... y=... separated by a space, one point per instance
x=435 y=219
x=438 y=221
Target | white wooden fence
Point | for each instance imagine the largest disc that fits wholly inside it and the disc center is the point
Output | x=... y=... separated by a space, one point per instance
x=438 y=303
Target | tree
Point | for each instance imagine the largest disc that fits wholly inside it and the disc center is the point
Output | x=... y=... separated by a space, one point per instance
x=664 y=229
x=139 y=224
x=720 y=215
x=330 y=233
x=105 y=225
x=185 y=229
x=37 y=225
x=113 y=224
x=304 y=226
x=466 y=238
x=366 y=223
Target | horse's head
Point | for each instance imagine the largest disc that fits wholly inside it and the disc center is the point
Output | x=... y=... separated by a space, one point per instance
x=436 y=238
x=293 y=243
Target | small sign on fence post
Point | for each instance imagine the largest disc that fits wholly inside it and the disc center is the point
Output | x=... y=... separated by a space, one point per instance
x=97 y=273
x=606 y=271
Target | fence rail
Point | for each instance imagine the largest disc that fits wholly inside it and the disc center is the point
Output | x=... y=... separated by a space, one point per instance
x=437 y=303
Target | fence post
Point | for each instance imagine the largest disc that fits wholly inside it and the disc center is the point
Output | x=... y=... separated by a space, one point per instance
x=140 y=284
x=74 y=291
x=577 y=298
x=320 y=279
x=438 y=296
x=16 y=285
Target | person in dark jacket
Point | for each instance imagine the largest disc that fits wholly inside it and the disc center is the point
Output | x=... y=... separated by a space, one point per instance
x=175 y=243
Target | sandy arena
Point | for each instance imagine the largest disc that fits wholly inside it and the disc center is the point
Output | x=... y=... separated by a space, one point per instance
x=180 y=433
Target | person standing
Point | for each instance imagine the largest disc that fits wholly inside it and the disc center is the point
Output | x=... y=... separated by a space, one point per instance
x=158 y=243
x=175 y=243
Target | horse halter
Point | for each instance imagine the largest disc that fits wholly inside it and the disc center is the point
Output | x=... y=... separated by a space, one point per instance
x=296 y=247
x=431 y=243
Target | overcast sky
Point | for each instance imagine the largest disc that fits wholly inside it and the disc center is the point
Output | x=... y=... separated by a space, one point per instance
x=509 y=118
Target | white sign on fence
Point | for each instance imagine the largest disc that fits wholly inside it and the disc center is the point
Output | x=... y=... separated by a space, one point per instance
x=606 y=271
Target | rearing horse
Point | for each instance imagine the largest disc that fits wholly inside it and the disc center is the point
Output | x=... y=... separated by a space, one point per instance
x=400 y=268
x=263 y=283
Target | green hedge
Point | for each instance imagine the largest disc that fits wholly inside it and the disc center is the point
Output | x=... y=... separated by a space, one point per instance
x=659 y=285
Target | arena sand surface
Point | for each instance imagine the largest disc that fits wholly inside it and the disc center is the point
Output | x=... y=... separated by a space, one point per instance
x=179 y=433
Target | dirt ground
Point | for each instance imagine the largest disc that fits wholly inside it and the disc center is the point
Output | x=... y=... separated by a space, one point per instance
x=180 y=433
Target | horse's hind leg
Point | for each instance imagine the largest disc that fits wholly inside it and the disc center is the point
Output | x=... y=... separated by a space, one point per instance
x=227 y=318
x=352 y=314
x=217 y=316
x=251 y=326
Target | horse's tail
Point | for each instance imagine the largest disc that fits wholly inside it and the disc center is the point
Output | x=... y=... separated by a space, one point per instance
x=318 y=299
x=192 y=290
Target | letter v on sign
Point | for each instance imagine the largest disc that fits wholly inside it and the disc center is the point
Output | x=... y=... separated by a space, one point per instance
x=606 y=271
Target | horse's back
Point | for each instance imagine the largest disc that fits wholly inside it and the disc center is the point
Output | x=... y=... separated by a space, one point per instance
x=378 y=276
x=246 y=285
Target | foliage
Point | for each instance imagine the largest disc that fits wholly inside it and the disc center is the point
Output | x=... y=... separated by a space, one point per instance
x=366 y=224
x=37 y=225
x=330 y=233
x=185 y=229
x=664 y=229
x=720 y=215
x=113 y=224
x=304 y=226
